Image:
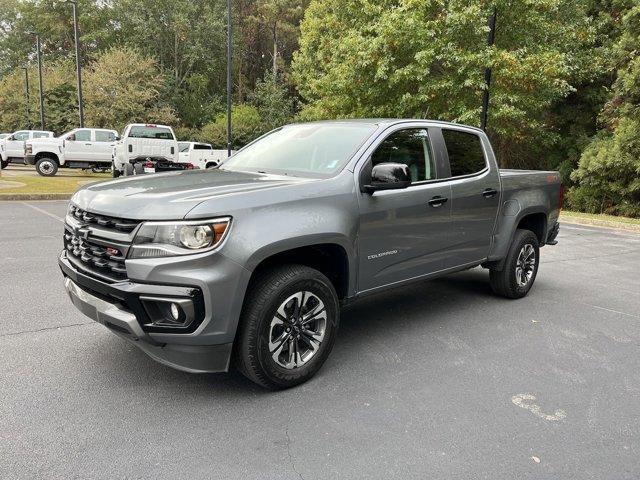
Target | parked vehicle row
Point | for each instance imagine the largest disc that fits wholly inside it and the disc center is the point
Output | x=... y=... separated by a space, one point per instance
x=143 y=148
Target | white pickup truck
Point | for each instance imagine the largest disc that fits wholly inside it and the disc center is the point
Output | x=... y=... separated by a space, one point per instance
x=200 y=155
x=80 y=148
x=12 y=147
x=146 y=148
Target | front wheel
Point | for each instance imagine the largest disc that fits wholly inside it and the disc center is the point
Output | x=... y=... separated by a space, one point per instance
x=288 y=326
x=47 y=167
x=4 y=164
x=520 y=267
x=115 y=173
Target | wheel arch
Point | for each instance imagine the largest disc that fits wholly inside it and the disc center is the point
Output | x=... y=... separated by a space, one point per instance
x=50 y=155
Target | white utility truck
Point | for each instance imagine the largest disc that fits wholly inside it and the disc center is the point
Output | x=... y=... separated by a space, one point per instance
x=146 y=148
x=86 y=148
x=12 y=147
x=200 y=155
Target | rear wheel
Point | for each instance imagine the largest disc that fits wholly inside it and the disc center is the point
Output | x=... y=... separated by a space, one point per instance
x=138 y=169
x=47 y=167
x=520 y=268
x=4 y=164
x=288 y=326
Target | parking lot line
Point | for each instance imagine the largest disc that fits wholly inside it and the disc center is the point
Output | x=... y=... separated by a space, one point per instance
x=38 y=209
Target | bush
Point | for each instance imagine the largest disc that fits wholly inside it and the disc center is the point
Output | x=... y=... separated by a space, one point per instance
x=246 y=127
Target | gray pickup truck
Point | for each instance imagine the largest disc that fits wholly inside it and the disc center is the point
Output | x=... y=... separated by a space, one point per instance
x=248 y=264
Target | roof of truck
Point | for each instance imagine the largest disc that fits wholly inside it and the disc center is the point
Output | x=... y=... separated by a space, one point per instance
x=391 y=121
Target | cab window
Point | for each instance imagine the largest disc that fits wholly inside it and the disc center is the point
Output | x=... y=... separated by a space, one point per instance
x=105 y=136
x=410 y=147
x=466 y=156
x=83 y=135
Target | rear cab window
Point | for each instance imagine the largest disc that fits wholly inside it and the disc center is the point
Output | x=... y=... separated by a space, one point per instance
x=41 y=135
x=105 y=136
x=466 y=155
x=202 y=146
x=151 y=132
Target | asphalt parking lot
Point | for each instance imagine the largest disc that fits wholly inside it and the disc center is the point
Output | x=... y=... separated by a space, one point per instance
x=435 y=380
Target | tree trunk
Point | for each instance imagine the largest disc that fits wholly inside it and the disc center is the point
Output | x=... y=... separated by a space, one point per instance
x=275 y=49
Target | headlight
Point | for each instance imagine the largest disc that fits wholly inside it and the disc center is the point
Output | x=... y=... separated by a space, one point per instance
x=168 y=239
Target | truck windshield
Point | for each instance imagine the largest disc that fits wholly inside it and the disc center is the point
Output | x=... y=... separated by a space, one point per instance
x=148 y=131
x=315 y=150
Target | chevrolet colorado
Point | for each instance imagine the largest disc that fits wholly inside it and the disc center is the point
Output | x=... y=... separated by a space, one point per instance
x=250 y=263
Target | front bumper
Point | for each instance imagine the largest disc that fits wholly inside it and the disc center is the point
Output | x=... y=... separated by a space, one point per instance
x=30 y=159
x=114 y=306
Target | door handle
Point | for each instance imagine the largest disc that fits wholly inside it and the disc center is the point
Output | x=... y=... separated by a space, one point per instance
x=489 y=192
x=437 y=201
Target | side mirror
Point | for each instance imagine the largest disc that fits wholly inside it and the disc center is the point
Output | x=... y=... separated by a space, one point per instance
x=117 y=138
x=11 y=138
x=388 y=176
x=72 y=137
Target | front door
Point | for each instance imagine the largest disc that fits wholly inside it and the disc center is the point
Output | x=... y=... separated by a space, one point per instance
x=404 y=233
x=79 y=149
x=475 y=196
x=15 y=147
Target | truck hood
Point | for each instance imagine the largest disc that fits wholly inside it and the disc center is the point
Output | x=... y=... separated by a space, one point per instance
x=170 y=196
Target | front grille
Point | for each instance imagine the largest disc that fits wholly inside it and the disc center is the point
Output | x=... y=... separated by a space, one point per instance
x=98 y=244
x=118 y=224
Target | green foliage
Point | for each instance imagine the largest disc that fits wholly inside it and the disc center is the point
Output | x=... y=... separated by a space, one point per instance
x=247 y=125
x=123 y=87
x=608 y=175
x=411 y=58
x=273 y=102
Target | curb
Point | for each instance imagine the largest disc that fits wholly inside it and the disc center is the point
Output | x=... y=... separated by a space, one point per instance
x=34 y=196
x=596 y=222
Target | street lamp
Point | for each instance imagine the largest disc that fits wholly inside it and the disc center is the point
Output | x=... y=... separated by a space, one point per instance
x=229 y=64
x=26 y=92
x=39 y=54
x=487 y=71
x=74 y=4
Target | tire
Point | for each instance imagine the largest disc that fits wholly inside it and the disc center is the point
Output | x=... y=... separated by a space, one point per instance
x=128 y=169
x=47 y=167
x=138 y=169
x=519 y=271
x=264 y=351
x=114 y=172
x=211 y=165
x=3 y=164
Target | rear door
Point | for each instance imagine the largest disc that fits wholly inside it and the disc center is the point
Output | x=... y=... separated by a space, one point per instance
x=475 y=195
x=404 y=233
x=102 y=145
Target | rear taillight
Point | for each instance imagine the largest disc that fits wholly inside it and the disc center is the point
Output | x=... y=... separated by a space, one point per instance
x=148 y=164
x=561 y=198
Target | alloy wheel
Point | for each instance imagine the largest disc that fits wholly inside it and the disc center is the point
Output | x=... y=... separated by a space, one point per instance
x=525 y=265
x=297 y=330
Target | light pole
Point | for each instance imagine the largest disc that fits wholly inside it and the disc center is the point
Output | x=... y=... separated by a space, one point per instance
x=26 y=93
x=229 y=64
x=74 y=4
x=487 y=72
x=39 y=54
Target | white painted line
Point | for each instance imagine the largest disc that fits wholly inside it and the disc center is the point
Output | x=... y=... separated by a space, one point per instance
x=613 y=311
x=38 y=209
x=523 y=401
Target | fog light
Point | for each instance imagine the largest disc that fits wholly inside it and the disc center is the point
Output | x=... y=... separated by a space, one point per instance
x=175 y=311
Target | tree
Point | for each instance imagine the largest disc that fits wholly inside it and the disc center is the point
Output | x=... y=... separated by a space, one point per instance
x=274 y=104
x=411 y=58
x=122 y=87
x=608 y=175
x=246 y=127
